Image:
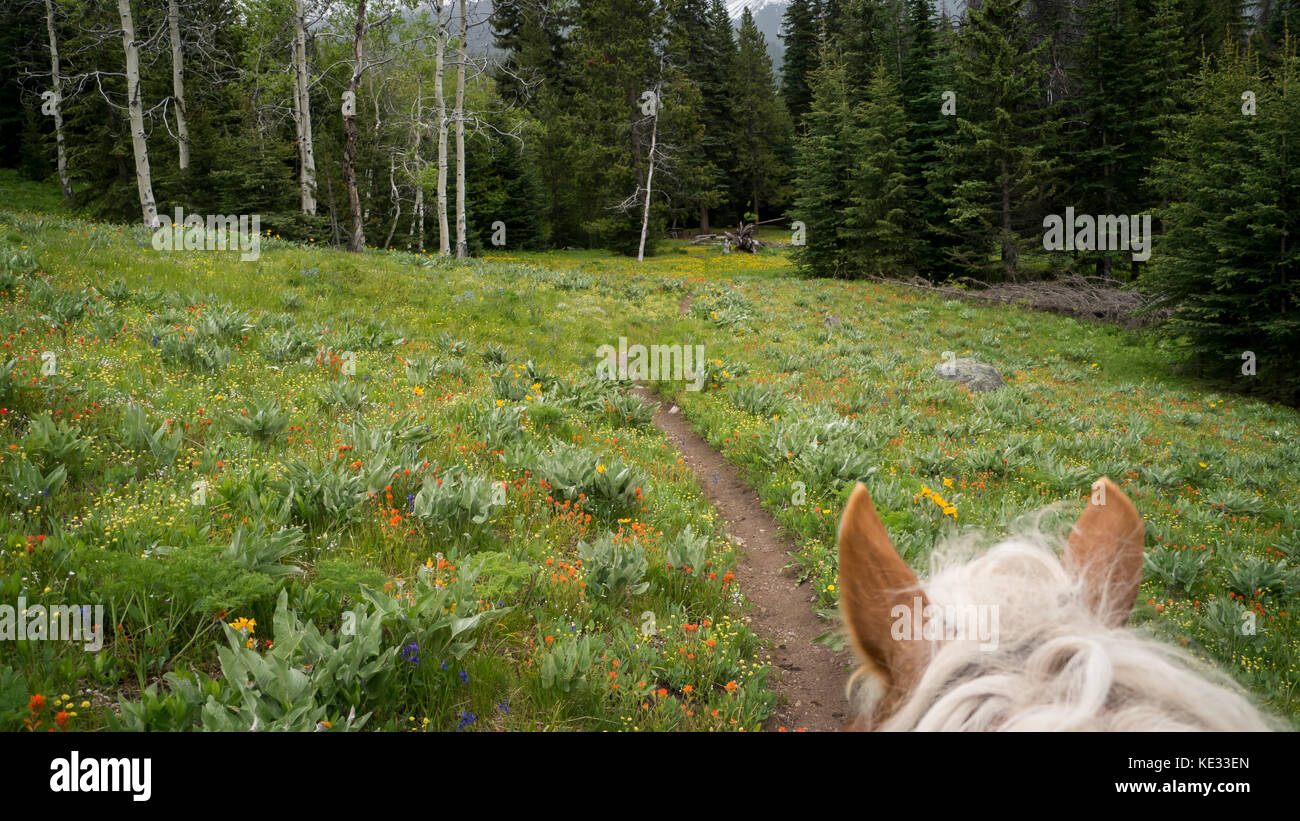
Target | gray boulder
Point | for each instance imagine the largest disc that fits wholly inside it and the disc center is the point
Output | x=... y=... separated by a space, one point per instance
x=972 y=373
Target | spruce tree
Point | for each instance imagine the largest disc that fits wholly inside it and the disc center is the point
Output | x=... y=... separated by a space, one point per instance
x=761 y=123
x=799 y=33
x=824 y=161
x=998 y=165
x=1114 y=143
x=875 y=223
x=608 y=136
x=927 y=74
x=1228 y=265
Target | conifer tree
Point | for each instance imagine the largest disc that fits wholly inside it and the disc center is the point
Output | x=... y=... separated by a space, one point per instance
x=875 y=223
x=1228 y=264
x=824 y=160
x=761 y=122
x=799 y=33
x=1115 y=141
x=998 y=166
x=927 y=75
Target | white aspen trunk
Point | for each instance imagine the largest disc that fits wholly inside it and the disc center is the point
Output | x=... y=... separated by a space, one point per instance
x=419 y=214
x=135 y=109
x=419 y=135
x=397 y=198
x=357 y=239
x=374 y=139
x=649 y=182
x=462 y=245
x=57 y=79
x=302 y=112
x=178 y=82
x=444 y=232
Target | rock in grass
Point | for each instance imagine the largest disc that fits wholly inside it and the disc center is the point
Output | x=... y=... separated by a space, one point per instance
x=972 y=373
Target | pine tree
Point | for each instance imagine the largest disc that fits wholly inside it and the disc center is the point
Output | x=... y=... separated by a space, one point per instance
x=927 y=75
x=859 y=25
x=875 y=223
x=608 y=137
x=1166 y=73
x=998 y=165
x=699 y=53
x=1228 y=264
x=1115 y=141
x=799 y=33
x=760 y=120
x=824 y=160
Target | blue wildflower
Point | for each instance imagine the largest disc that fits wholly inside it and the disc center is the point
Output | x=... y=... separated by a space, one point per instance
x=464 y=677
x=466 y=719
x=411 y=653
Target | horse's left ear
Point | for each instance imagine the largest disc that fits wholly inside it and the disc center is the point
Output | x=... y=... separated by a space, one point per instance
x=1105 y=550
x=874 y=582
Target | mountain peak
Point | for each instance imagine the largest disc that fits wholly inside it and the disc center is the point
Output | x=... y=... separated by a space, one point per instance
x=735 y=8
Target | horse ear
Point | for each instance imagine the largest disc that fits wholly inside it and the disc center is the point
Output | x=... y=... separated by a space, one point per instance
x=1105 y=551
x=874 y=582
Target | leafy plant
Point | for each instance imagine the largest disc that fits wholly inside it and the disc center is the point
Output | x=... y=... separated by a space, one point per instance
x=137 y=433
x=1178 y=569
x=614 y=567
x=1253 y=575
x=756 y=399
x=49 y=443
x=687 y=551
x=629 y=410
x=262 y=419
x=565 y=666
x=323 y=495
x=25 y=483
x=349 y=394
x=288 y=346
x=455 y=501
x=306 y=680
x=258 y=551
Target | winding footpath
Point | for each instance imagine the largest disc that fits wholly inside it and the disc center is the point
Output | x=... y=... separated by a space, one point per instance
x=808 y=678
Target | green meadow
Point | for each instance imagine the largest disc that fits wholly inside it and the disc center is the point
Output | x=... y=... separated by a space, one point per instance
x=386 y=491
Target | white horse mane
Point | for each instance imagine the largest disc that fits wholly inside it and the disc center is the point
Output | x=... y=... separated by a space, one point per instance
x=1056 y=665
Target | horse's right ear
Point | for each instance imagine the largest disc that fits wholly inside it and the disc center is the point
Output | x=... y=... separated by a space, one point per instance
x=1105 y=551
x=874 y=581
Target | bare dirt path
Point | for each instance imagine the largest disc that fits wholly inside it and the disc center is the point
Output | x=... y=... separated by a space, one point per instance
x=808 y=678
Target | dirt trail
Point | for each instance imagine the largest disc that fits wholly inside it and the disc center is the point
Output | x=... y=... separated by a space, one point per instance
x=808 y=678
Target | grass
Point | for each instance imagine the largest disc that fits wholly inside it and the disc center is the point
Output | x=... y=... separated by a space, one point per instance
x=319 y=438
x=1214 y=474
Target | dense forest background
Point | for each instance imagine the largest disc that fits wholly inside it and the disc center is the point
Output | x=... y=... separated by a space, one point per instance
x=901 y=140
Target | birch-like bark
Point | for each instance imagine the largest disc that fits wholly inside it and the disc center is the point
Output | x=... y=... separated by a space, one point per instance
x=57 y=79
x=462 y=246
x=135 y=111
x=419 y=134
x=649 y=181
x=178 y=83
x=302 y=112
x=444 y=232
x=357 y=239
x=397 y=198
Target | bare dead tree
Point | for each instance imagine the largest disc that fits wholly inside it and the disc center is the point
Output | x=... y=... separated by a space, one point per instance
x=135 y=109
x=56 y=102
